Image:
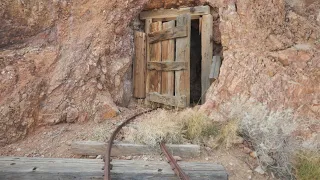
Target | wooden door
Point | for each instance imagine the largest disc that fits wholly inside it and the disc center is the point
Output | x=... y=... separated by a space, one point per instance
x=168 y=61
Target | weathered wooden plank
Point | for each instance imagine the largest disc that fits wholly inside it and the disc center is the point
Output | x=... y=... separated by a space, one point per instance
x=174 y=13
x=122 y=149
x=154 y=77
x=207 y=52
x=48 y=169
x=147 y=30
x=168 y=33
x=182 y=78
x=193 y=17
x=139 y=65
x=177 y=101
x=167 y=83
x=215 y=68
x=167 y=66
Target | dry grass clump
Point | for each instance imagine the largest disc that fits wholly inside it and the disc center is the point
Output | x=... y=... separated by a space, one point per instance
x=101 y=133
x=172 y=127
x=156 y=127
x=196 y=125
x=227 y=136
x=307 y=165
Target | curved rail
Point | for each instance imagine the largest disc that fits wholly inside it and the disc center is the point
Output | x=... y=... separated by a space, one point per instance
x=173 y=163
x=107 y=167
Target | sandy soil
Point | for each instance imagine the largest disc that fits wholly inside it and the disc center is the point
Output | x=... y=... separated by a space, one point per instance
x=55 y=141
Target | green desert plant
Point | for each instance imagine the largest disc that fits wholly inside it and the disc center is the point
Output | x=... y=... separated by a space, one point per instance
x=307 y=165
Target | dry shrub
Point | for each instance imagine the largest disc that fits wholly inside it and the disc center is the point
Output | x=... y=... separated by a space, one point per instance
x=307 y=165
x=268 y=131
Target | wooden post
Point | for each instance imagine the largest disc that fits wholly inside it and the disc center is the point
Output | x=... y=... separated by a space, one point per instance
x=167 y=84
x=147 y=30
x=154 y=77
x=182 y=78
x=207 y=52
x=139 y=66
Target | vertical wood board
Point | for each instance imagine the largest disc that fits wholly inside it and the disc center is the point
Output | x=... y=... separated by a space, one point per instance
x=154 y=77
x=182 y=78
x=207 y=52
x=139 y=65
x=147 y=30
x=167 y=84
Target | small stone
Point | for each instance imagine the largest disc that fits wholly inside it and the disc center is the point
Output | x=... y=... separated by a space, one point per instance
x=247 y=150
x=207 y=159
x=68 y=143
x=249 y=177
x=177 y=158
x=19 y=149
x=99 y=86
x=145 y=158
x=231 y=164
x=92 y=157
x=208 y=149
x=259 y=170
x=128 y=158
x=99 y=157
x=253 y=154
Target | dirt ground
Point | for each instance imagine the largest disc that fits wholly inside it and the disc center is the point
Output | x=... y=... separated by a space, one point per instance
x=55 y=141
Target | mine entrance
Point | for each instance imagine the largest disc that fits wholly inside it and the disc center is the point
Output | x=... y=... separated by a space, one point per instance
x=173 y=56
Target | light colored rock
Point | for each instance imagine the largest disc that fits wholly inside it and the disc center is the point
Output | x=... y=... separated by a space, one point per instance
x=259 y=170
x=128 y=158
x=253 y=154
x=72 y=114
x=177 y=158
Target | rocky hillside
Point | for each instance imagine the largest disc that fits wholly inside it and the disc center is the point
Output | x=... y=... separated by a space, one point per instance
x=69 y=61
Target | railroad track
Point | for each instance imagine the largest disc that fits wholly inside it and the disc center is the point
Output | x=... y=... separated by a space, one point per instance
x=107 y=167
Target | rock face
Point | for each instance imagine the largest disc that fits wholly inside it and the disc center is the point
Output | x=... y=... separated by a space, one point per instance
x=272 y=54
x=63 y=61
x=69 y=61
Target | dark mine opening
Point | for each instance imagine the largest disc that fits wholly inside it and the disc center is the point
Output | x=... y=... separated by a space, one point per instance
x=195 y=63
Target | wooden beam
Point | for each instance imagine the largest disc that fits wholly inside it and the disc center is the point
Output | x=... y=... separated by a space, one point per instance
x=139 y=65
x=153 y=83
x=182 y=78
x=167 y=66
x=207 y=53
x=193 y=17
x=170 y=33
x=176 y=101
x=67 y=169
x=167 y=83
x=174 y=13
x=93 y=148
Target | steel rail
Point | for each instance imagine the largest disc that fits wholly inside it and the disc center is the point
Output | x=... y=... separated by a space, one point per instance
x=107 y=165
x=173 y=163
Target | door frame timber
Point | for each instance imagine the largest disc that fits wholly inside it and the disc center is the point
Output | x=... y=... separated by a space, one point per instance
x=179 y=31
